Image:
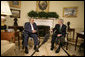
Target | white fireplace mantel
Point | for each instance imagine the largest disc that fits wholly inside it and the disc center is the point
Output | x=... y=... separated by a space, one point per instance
x=46 y=22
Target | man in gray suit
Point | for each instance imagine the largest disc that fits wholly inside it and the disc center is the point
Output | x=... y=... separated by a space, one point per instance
x=30 y=30
x=58 y=35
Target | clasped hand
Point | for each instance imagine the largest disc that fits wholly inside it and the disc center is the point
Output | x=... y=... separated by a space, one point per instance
x=59 y=35
x=34 y=31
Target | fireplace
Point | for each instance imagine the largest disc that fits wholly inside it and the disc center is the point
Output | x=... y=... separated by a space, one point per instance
x=45 y=25
x=43 y=30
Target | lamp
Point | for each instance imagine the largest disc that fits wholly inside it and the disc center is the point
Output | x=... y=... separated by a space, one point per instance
x=5 y=10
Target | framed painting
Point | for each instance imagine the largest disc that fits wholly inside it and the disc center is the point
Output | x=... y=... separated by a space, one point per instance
x=70 y=11
x=15 y=4
x=15 y=13
x=42 y=6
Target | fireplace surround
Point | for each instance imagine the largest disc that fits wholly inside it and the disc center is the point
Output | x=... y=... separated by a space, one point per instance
x=43 y=30
x=45 y=26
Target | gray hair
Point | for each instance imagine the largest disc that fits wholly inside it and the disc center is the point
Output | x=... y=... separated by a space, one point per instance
x=30 y=19
x=61 y=20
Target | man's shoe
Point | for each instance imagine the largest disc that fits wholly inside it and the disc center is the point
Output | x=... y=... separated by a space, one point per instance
x=22 y=47
x=58 y=50
x=34 y=47
x=51 y=48
x=36 y=50
x=26 y=50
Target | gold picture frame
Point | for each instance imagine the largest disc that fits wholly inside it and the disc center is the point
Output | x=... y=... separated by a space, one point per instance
x=15 y=4
x=15 y=13
x=70 y=11
x=42 y=6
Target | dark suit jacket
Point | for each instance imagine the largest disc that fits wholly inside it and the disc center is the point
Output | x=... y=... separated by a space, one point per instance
x=63 y=29
x=27 y=27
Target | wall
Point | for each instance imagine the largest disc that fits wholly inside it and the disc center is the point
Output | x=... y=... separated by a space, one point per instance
x=77 y=22
x=55 y=6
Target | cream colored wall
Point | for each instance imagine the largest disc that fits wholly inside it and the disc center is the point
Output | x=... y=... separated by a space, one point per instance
x=55 y=6
x=78 y=22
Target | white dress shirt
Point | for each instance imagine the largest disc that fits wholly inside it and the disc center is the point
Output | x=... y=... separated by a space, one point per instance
x=32 y=26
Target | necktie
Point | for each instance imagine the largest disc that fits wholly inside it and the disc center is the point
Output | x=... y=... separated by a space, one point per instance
x=60 y=28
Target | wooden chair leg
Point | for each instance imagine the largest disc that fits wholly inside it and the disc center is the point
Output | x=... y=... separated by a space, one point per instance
x=67 y=42
x=38 y=40
x=67 y=47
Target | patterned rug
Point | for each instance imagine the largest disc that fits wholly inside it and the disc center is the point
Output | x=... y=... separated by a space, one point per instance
x=44 y=50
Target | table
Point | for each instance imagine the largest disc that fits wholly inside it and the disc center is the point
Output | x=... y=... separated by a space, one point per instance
x=10 y=35
x=16 y=27
x=72 y=30
x=79 y=35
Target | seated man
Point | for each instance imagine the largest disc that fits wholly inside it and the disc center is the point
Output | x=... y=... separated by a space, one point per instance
x=30 y=30
x=59 y=34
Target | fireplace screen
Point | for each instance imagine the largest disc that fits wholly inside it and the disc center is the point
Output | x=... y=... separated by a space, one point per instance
x=43 y=30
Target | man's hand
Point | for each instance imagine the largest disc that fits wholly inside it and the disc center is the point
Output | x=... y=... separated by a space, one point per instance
x=51 y=30
x=59 y=35
x=34 y=31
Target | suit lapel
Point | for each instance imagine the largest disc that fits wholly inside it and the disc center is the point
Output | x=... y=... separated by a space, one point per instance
x=34 y=26
x=30 y=26
x=62 y=27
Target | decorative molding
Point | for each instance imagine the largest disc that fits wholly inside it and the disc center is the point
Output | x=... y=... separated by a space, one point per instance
x=46 y=22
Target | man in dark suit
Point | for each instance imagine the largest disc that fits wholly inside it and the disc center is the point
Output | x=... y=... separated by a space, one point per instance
x=30 y=30
x=59 y=34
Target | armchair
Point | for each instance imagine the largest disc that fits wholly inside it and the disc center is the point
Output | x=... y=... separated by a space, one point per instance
x=66 y=38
